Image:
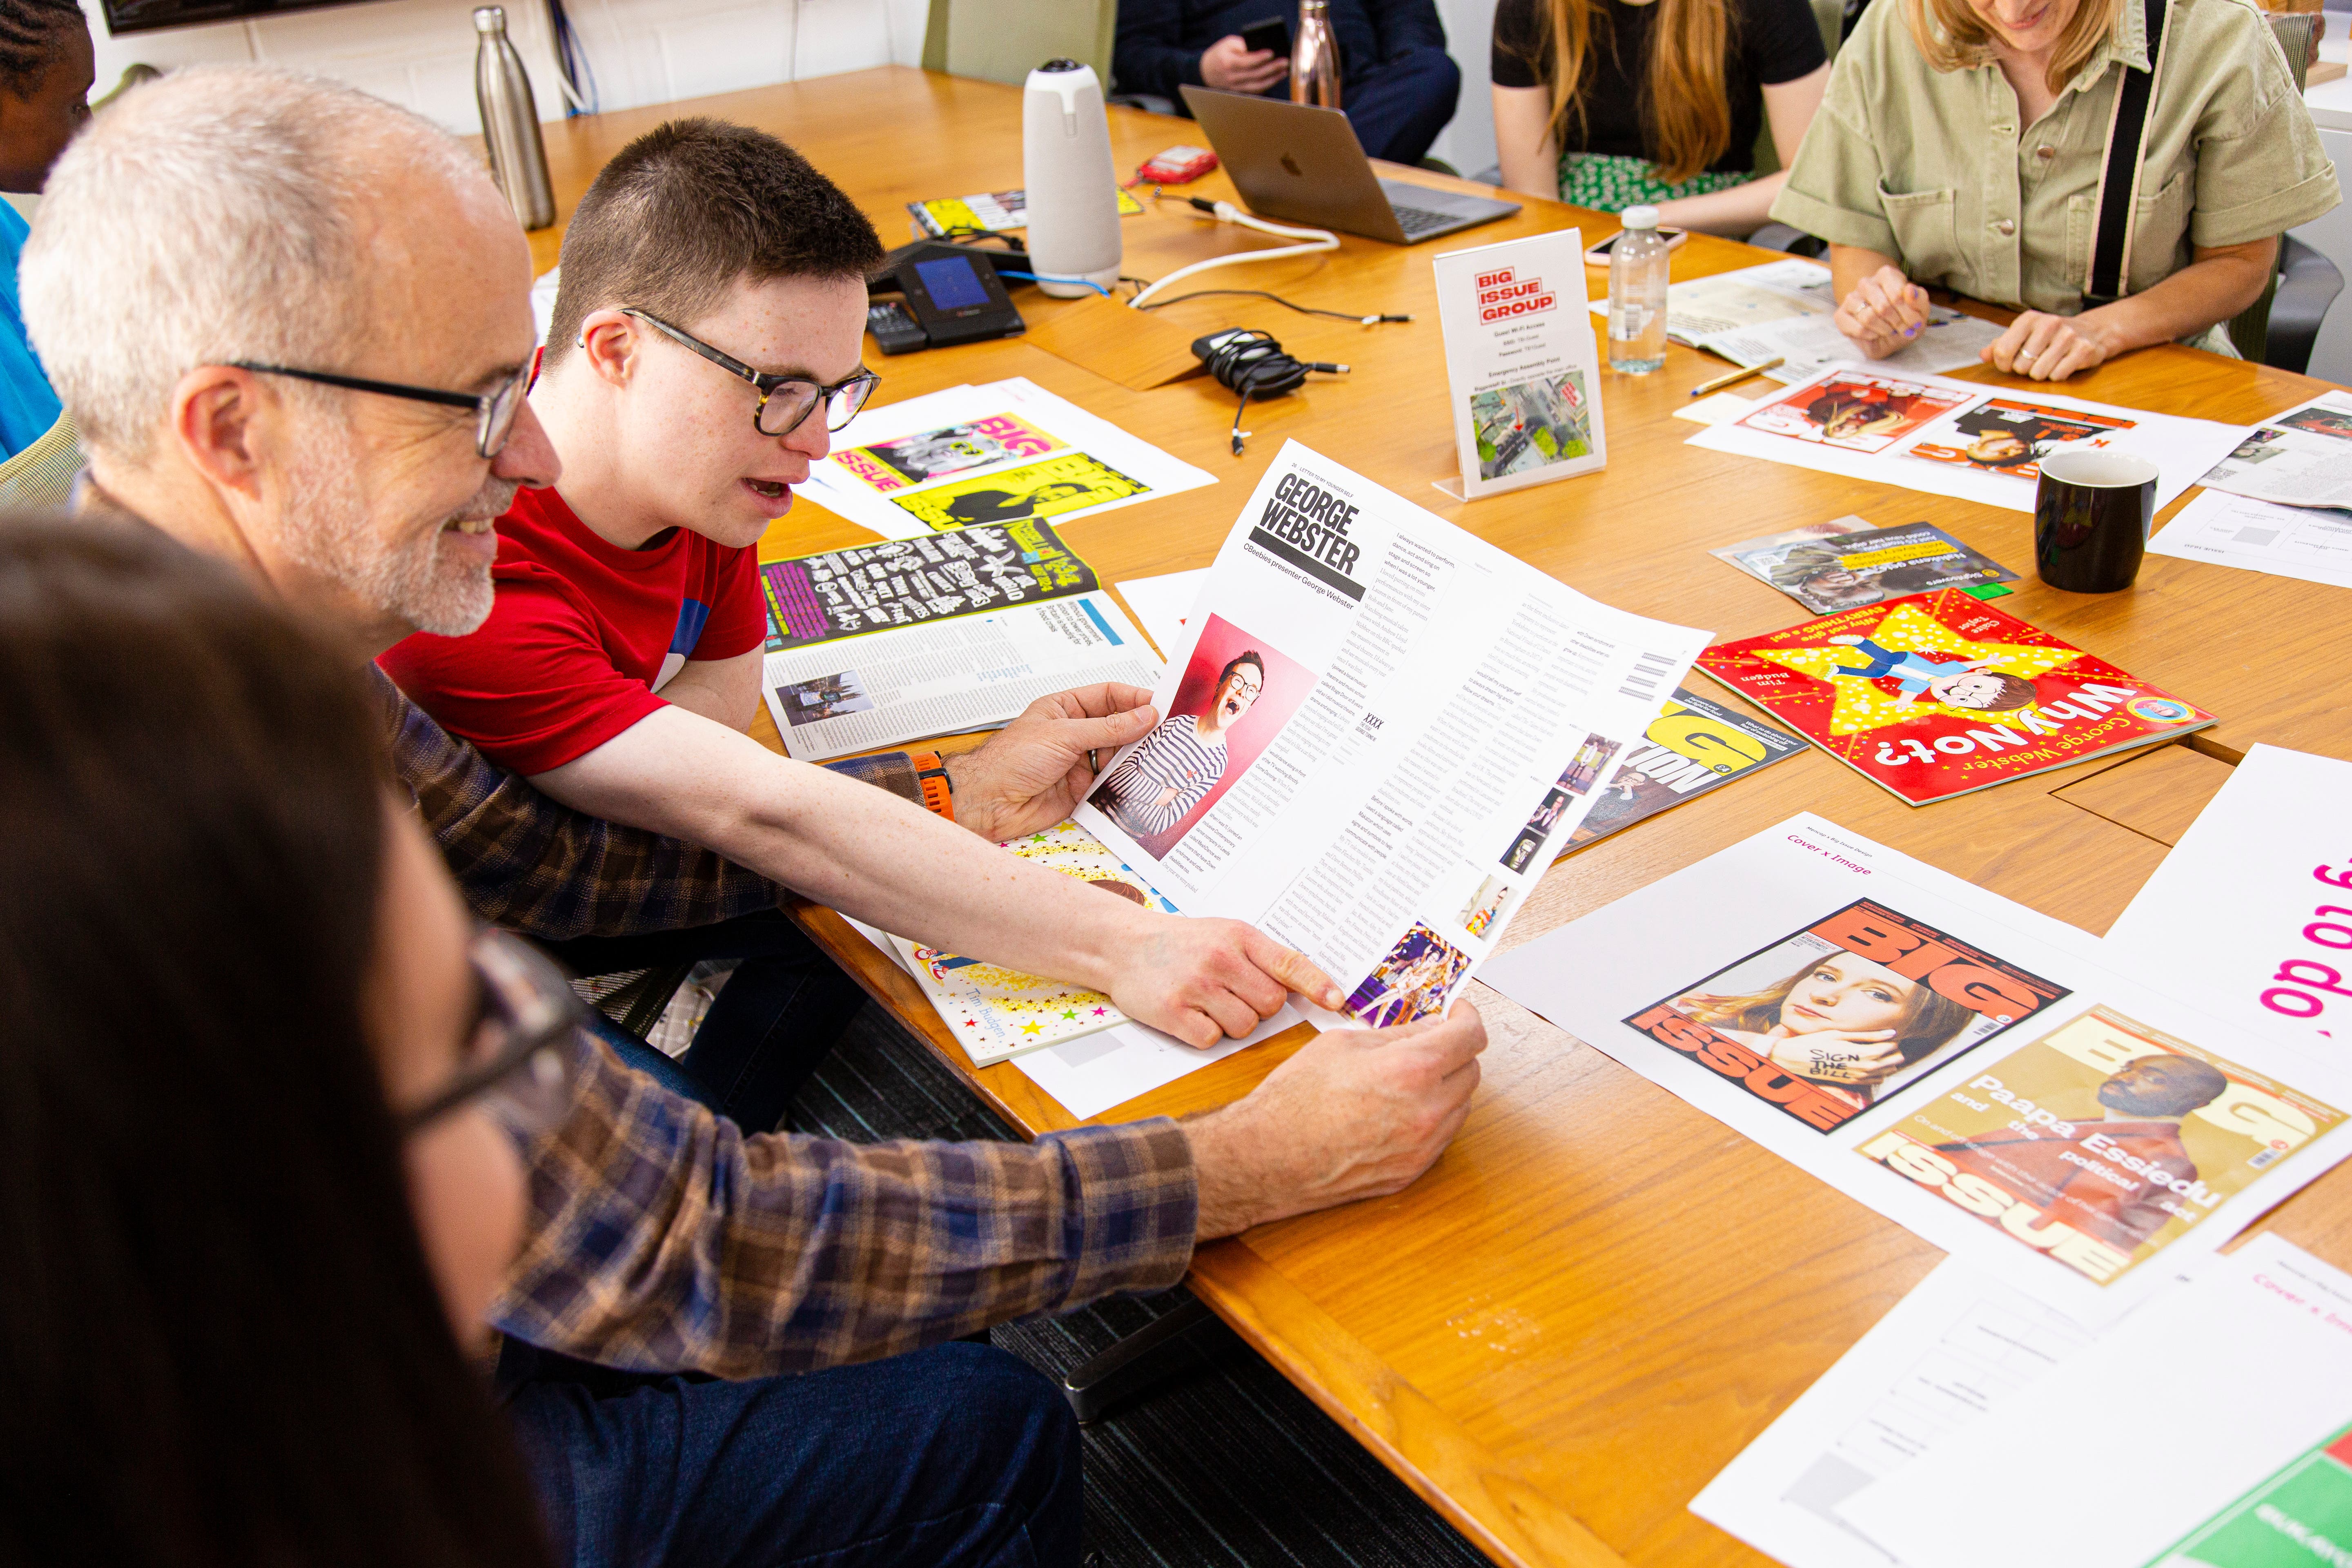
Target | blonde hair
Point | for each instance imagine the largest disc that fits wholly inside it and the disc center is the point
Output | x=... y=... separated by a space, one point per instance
x=1685 y=107
x=1953 y=37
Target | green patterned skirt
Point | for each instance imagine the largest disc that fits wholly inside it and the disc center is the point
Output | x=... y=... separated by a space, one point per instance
x=1610 y=183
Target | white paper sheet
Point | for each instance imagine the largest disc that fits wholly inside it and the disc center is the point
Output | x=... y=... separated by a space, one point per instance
x=2252 y=909
x=2134 y=1443
x=1808 y=345
x=1749 y=297
x=1425 y=718
x=2300 y=457
x=944 y=678
x=2029 y=1078
x=992 y=453
x=1161 y=604
x=1938 y=1361
x=1956 y=438
x=2311 y=543
x=1521 y=365
x=1089 y=1075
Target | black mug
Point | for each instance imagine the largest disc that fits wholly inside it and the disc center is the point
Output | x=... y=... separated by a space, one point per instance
x=2091 y=512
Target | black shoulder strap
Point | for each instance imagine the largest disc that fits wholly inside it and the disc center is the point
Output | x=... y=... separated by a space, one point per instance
x=2120 y=187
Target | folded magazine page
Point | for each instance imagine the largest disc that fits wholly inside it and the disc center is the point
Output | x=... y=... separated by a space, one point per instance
x=2300 y=457
x=1521 y=363
x=964 y=672
x=1959 y=439
x=1967 y=1066
x=2213 y=1428
x=1692 y=746
x=1377 y=733
x=1939 y=695
x=1000 y=452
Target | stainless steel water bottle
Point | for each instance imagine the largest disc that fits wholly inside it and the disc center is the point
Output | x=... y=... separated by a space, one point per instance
x=1315 y=57
x=511 y=123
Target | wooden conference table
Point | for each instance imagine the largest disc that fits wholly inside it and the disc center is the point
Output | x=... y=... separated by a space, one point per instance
x=1599 y=1295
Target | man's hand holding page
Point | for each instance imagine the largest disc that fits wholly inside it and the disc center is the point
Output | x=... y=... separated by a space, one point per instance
x=1354 y=1113
x=1032 y=773
x=890 y=863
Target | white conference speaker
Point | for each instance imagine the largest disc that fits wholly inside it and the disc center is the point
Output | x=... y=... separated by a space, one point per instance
x=1072 y=191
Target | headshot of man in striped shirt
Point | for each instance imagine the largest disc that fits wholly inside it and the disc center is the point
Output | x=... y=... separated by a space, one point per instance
x=1180 y=761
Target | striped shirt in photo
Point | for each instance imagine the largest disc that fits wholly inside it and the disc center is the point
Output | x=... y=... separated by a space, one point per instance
x=1173 y=756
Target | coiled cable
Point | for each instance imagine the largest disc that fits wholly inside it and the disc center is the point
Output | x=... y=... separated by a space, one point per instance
x=1246 y=361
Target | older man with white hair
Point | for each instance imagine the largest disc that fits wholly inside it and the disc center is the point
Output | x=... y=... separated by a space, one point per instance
x=292 y=324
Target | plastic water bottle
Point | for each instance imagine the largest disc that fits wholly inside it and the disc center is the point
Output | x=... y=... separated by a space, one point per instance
x=1637 y=295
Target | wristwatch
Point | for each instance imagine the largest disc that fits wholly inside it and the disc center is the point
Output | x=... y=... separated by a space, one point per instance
x=931 y=778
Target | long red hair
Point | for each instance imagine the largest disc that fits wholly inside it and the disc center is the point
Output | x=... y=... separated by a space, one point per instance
x=1685 y=107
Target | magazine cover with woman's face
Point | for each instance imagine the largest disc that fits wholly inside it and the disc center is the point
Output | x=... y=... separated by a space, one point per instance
x=1833 y=1019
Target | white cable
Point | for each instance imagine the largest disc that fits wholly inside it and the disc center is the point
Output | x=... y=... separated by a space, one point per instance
x=1320 y=239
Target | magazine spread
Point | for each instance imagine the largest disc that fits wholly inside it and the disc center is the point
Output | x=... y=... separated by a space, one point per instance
x=1376 y=728
x=997 y=453
x=1521 y=363
x=1692 y=746
x=1939 y=695
x=1807 y=346
x=2207 y=1430
x=1957 y=439
x=1967 y=1066
x=1746 y=298
x=944 y=677
x=2301 y=457
x=1827 y=572
x=901 y=582
x=2309 y=542
x=985 y=212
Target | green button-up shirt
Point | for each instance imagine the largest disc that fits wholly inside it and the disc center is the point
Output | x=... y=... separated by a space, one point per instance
x=1935 y=169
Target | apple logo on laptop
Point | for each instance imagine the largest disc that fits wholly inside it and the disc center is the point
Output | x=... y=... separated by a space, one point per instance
x=1290 y=165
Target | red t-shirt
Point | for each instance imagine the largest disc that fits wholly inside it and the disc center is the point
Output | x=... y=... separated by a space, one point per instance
x=582 y=636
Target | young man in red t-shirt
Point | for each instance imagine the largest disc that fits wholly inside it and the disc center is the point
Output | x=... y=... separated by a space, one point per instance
x=707 y=335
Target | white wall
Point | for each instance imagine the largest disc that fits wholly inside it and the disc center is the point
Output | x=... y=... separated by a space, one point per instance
x=1468 y=143
x=420 y=53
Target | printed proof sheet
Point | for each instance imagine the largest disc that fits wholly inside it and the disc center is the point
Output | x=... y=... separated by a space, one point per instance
x=1957 y=439
x=1967 y=1066
x=1003 y=452
x=1378 y=731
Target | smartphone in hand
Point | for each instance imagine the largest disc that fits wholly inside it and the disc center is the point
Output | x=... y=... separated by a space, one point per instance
x=1269 y=33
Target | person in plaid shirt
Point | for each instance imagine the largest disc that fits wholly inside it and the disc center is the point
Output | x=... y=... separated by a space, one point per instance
x=222 y=227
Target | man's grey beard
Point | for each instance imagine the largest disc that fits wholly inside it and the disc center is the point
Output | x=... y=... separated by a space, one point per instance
x=328 y=529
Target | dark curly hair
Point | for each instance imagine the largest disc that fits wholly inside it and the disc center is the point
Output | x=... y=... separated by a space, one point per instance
x=30 y=34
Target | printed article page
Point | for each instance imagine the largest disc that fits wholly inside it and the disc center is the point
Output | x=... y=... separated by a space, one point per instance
x=969 y=673
x=1983 y=1073
x=1377 y=733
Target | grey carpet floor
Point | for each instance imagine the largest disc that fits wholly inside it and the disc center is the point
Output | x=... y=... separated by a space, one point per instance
x=1225 y=1463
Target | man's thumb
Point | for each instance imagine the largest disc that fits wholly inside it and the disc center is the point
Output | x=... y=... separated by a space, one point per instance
x=1112 y=729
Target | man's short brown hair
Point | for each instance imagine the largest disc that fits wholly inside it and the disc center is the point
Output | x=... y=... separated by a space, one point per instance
x=687 y=210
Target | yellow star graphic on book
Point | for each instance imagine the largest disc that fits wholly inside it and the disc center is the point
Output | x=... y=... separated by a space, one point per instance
x=1861 y=705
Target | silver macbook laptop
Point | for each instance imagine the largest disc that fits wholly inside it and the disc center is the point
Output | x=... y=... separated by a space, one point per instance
x=1303 y=164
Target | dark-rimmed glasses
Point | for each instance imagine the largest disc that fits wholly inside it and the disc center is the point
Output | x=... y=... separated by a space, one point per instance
x=785 y=401
x=494 y=412
x=523 y=1053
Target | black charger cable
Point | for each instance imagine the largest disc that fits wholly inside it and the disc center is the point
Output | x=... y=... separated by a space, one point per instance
x=1249 y=362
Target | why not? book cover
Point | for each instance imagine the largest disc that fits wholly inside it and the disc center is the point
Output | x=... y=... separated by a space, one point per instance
x=1939 y=695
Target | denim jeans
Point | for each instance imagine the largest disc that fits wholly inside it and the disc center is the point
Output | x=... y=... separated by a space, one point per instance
x=959 y=1454
x=774 y=1021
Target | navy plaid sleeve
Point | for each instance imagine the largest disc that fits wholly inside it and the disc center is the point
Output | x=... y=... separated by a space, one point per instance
x=663 y=1238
